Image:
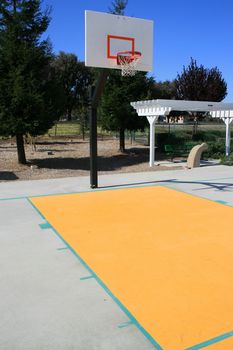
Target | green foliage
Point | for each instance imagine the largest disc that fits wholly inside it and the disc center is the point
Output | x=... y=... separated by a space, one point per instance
x=204 y=136
x=66 y=129
x=216 y=150
x=216 y=147
x=118 y=7
x=178 y=138
x=29 y=91
x=116 y=112
x=227 y=160
x=163 y=90
x=75 y=79
x=198 y=83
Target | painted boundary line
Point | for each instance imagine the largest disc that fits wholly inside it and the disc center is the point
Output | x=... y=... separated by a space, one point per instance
x=100 y=189
x=101 y=283
x=117 y=187
x=159 y=184
x=12 y=198
x=45 y=225
x=196 y=196
x=211 y=341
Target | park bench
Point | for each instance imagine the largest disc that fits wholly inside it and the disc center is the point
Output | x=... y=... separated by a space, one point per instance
x=179 y=150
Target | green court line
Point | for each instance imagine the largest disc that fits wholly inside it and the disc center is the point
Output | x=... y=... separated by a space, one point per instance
x=64 y=248
x=125 y=324
x=45 y=226
x=12 y=198
x=86 y=278
x=158 y=183
x=79 y=192
x=195 y=195
x=38 y=212
x=107 y=290
x=221 y=202
x=211 y=341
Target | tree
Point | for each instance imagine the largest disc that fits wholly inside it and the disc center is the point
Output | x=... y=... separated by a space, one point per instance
x=28 y=88
x=116 y=112
x=198 y=83
x=163 y=89
x=118 y=7
x=75 y=79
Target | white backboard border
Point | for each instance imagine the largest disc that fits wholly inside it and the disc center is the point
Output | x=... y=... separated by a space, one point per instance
x=107 y=34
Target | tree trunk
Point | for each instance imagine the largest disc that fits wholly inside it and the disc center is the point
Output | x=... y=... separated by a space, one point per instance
x=169 y=126
x=20 y=149
x=122 y=140
x=83 y=129
x=69 y=114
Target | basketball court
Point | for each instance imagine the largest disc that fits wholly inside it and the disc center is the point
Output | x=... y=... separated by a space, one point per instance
x=162 y=253
x=144 y=262
x=133 y=265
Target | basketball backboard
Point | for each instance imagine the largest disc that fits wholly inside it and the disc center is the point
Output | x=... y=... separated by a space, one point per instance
x=107 y=35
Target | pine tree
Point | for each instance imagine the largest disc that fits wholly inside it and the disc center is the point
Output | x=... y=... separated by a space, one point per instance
x=116 y=112
x=118 y=7
x=28 y=88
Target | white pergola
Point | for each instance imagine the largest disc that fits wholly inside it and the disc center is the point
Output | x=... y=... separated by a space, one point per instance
x=152 y=109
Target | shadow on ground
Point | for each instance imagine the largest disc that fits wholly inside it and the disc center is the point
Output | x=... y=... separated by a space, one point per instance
x=7 y=175
x=218 y=186
x=129 y=158
x=38 y=143
x=52 y=150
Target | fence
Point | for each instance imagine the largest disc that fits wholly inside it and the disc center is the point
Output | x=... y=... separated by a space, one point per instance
x=73 y=129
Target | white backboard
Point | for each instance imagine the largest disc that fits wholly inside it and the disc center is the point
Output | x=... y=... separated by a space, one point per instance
x=107 y=34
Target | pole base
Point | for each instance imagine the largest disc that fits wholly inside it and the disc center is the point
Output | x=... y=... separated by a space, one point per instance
x=94 y=186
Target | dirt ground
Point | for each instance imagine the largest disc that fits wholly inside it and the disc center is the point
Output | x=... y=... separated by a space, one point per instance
x=56 y=158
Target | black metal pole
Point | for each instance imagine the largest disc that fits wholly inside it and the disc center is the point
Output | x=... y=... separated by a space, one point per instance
x=96 y=93
x=93 y=149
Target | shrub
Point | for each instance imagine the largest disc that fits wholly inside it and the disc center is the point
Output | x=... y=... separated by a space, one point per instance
x=216 y=150
x=205 y=136
x=227 y=160
x=171 y=139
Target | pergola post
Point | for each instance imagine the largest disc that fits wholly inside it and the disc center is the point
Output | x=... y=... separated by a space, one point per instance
x=152 y=120
x=228 y=121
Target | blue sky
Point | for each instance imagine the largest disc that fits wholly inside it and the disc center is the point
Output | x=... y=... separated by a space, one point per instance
x=182 y=29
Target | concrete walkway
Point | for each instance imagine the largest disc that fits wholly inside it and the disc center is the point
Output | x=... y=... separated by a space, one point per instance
x=47 y=299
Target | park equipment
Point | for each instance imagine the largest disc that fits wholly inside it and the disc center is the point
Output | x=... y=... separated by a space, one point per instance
x=152 y=109
x=114 y=42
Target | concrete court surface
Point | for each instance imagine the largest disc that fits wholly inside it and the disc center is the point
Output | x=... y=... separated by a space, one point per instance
x=48 y=300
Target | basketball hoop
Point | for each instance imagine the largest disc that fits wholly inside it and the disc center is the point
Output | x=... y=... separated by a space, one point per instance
x=128 y=61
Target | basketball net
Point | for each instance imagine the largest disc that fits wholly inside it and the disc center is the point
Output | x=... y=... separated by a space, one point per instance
x=128 y=61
